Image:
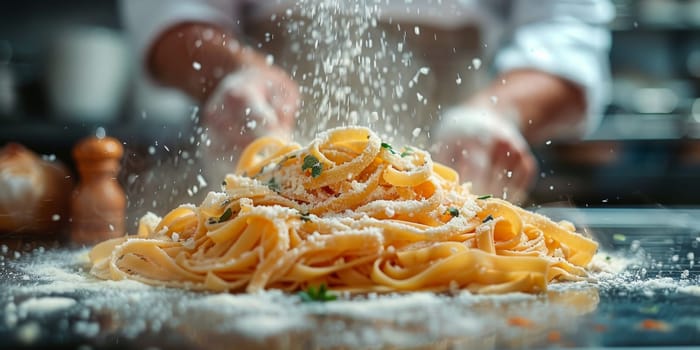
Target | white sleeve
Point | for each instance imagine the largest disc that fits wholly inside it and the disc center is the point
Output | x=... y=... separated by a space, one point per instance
x=567 y=38
x=144 y=20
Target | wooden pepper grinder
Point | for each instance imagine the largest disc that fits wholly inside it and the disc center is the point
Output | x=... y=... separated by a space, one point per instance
x=98 y=205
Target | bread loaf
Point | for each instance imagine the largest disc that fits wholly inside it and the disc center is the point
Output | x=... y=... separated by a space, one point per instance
x=34 y=193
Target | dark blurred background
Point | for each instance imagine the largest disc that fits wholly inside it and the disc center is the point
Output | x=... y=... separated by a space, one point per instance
x=66 y=70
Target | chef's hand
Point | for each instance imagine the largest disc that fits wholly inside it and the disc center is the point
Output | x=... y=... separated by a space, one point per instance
x=488 y=150
x=251 y=102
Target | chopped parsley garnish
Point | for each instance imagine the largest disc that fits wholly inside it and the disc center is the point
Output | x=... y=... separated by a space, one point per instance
x=486 y=196
x=310 y=162
x=407 y=152
x=312 y=294
x=388 y=147
x=285 y=159
x=454 y=212
x=273 y=185
x=223 y=183
x=226 y=215
x=487 y=219
x=305 y=217
x=260 y=171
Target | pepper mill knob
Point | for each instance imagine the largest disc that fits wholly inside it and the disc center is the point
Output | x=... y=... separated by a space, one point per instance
x=98 y=206
x=94 y=148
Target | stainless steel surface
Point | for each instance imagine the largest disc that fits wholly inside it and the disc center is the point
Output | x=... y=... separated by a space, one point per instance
x=660 y=286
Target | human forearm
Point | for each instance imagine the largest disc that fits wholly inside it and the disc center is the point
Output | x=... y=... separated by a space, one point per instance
x=194 y=57
x=542 y=105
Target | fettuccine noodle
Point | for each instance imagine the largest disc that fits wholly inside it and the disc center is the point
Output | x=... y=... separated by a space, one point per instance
x=350 y=212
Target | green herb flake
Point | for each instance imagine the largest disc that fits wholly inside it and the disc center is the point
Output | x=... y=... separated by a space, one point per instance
x=618 y=237
x=223 y=183
x=407 y=152
x=487 y=219
x=226 y=215
x=486 y=196
x=273 y=185
x=388 y=147
x=285 y=159
x=316 y=170
x=305 y=217
x=454 y=212
x=650 y=310
x=260 y=172
x=310 y=162
x=321 y=294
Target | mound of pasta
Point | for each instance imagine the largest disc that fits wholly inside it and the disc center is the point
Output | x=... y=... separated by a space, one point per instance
x=351 y=213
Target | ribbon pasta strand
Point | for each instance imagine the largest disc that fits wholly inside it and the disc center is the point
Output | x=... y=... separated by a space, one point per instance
x=349 y=212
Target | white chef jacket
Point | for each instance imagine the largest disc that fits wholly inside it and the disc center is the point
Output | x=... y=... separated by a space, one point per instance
x=562 y=37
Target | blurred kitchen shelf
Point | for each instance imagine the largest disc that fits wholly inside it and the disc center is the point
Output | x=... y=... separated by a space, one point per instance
x=655 y=27
x=639 y=127
x=656 y=15
x=646 y=127
x=58 y=132
x=59 y=138
x=619 y=172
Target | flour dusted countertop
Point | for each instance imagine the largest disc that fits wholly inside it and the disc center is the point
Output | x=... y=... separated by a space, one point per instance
x=646 y=294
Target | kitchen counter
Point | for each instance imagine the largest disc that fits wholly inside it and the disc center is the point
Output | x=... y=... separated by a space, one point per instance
x=48 y=299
